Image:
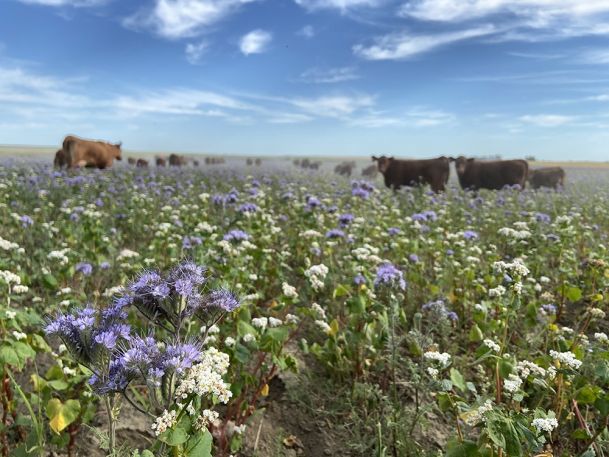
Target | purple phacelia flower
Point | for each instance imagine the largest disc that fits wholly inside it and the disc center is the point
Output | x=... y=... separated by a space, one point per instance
x=388 y=275
x=84 y=267
x=335 y=233
x=236 y=235
x=470 y=235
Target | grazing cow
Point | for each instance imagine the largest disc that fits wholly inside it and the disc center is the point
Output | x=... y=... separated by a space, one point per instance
x=370 y=171
x=258 y=161
x=477 y=174
x=547 y=177
x=160 y=162
x=92 y=154
x=195 y=163
x=60 y=160
x=141 y=163
x=176 y=160
x=399 y=173
x=131 y=161
x=314 y=165
x=304 y=163
x=249 y=161
x=296 y=162
x=344 y=168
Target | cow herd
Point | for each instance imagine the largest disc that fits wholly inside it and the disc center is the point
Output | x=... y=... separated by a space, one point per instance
x=472 y=174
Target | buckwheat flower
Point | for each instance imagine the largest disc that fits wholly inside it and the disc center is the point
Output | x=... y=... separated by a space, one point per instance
x=291 y=319
x=319 y=311
x=567 y=358
x=526 y=368
x=492 y=345
x=273 y=322
x=323 y=325
x=443 y=358
x=11 y=314
x=84 y=267
x=601 y=337
x=476 y=416
x=127 y=254
x=433 y=372
x=260 y=322
x=512 y=383
x=9 y=277
x=596 y=313
x=164 y=422
x=388 y=275
x=19 y=335
x=229 y=341
x=20 y=289
x=206 y=418
x=248 y=338
x=8 y=245
x=288 y=290
x=497 y=291
x=546 y=425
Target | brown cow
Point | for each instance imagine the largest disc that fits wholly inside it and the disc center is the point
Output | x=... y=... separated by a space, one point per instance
x=478 y=174
x=315 y=165
x=60 y=160
x=177 y=160
x=141 y=163
x=88 y=153
x=131 y=161
x=399 y=173
x=160 y=162
x=249 y=161
x=344 y=168
x=547 y=177
x=195 y=163
x=258 y=161
x=370 y=172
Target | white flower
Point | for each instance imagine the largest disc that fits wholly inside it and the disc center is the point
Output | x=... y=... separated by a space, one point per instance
x=19 y=289
x=205 y=377
x=316 y=275
x=492 y=345
x=443 y=358
x=433 y=372
x=323 y=325
x=7 y=245
x=9 y=277
x=260 y=322
x=319 y=311
x=11 y=314
x=127 y=254
x=248 y=338
x=601 y=337
x=19 y=335
x=526 y=368
x=274 y=322
x=597 y=313
x=229 y=341
x=497 y=291
x=289 y=291
x=512 y=383
x=545 y=425
x=69 y=371
x=164 y=422
x=478 y=415
x=207 y=417
x=291 y=319
x=568 y=358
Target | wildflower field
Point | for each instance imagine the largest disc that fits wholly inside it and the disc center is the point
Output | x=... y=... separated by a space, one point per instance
x=177 y=311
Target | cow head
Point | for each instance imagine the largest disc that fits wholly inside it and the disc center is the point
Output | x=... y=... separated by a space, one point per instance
x=461 y=164
x=383 y=162
x=116 y=149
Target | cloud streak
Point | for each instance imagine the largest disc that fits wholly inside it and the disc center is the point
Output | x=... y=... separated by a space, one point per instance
x=255 y=42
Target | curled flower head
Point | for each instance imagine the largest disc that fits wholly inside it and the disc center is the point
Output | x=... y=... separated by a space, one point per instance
x=223 y=299
x=388 y=275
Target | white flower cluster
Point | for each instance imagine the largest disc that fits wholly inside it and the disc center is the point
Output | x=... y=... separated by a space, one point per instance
x=597 y=313
x=19 y=289
x=164 y=422
x=260 y=322
x=289 y=291
x=207 y=417
x=601 y=337
x=310 y=234
x=545 y=425
x=127 y=254
x=498 y=291
x=568 y=358
x=517 y=267
x=443 y=358
x=205 y=377
x=512 y=383
x=509 y=232
x=478 y=415
x=9 y=277
x=319 y=311
x=8 y=245
x=492 y=345
x=526 y=368
x=317 y=274
x=292 y=319
x=59 y=255
x=323 y=325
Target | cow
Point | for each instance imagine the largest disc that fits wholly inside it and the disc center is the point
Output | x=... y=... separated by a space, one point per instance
x=296 y=162
x=195 y=163
x=176 y=160
x=141 y=163
x=314 y=165
x=398 y=173
x=258 y=161
x=496 y=174
x=160 y=162
x=344 y=168
x=249 y=161
x=547 y=177
x=370 y=171
x=131 y=161
x=60 y=160
x=88 y=153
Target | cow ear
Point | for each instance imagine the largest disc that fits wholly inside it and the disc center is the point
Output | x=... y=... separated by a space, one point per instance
x=391 y=159
x=470 y=160
x=374 y=158
x=452 y=159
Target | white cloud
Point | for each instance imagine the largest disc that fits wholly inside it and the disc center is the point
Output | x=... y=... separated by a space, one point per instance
x=333 y=105
x=75 y=3
x=404 y=45
x=255 y=42
x=342 y=5
x=182 y=18
x=308 y=31
x=329 y=76
x=537 y=56
x=595 y=57
x=546 y=120
x=599 y=98
x=195 y=51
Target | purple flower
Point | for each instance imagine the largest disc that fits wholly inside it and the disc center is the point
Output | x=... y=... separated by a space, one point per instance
x=388 y=275
x=104 y=265
x=393 y=231
x=360 y=192
x=84 y=267
x=180 y=357
x=248 y=208
x=26 y=221
x=345 y=219
x=223 y=299
x=335 y=233
x=549 y=309
x=413 y=258
x=313 y=202
x=470 y=235
x=359 y=279
x=428 y=215
x=236 y=235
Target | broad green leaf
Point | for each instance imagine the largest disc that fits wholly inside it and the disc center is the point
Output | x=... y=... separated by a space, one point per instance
x=457 y=379
x=62 y=414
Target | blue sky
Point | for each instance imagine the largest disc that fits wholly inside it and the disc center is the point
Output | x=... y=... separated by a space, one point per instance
x=333 y=77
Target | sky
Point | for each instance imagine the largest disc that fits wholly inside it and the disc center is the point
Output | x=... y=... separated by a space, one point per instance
x=412 y=78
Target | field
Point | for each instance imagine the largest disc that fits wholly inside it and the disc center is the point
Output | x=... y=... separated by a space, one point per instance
x=272 y=311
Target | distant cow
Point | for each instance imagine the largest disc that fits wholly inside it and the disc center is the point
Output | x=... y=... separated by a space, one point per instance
x=249 y=161
x=399 y=173
x=60 y=160
x=141 y=163
x=314 y=165
x=547 y=177
x=296 y=162
x=195 y=163
x=344 y=168
x=258 y=161
x=477 y=174
x=370 y=171
x=131 y=161
x=88 y=153
x=177 y=160
x=160 y=162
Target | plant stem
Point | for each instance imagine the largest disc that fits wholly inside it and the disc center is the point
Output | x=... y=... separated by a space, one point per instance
x=109 y=400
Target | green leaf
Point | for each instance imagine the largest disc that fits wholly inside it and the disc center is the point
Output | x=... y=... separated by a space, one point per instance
x=475 y=334
x=586 y=395
x=199 y=445
x=174 y=436
x=573 y=293
x=505 y=368
x=49 y=281
x=8 y=356
x=465 y=449
x=602 y=404
x=340 y=291
x=273 y=339
x=444 y=402
x=62 y=414
x=457 y=378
